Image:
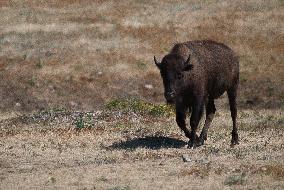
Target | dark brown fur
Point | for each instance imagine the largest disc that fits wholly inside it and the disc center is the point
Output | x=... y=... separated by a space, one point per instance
x=194 y=74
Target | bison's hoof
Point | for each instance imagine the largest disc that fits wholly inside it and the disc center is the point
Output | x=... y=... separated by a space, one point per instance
x=203 y=136
x=201 y=142
x=195 y=144
x=234 y=142
x=191 y=145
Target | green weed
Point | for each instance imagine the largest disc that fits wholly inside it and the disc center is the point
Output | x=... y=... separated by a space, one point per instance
x=84 y=121
x=141 y=65
x=32 y=81
x=102 y=178
x=235 y=180
x=120 y=188
x=139 y=106
x=79 y=124
x=39 y=64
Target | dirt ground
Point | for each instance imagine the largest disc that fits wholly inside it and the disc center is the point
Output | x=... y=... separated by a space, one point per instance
x=82 y=107
x=126 y=150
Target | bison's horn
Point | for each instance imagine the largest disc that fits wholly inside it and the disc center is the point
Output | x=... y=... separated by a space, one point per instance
x=187 y=65
x=156 y=62
x=187 y=61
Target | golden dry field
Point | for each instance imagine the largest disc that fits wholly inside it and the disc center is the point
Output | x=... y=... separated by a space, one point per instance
x=82 y=103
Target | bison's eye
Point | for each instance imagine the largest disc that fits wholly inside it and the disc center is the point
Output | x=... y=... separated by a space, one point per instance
x=179 y=76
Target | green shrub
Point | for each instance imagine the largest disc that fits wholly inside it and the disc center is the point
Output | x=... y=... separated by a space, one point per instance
x=80 y=123
x=139 y=106
x=84 y=121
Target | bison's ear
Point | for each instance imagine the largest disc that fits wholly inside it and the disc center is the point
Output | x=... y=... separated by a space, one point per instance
x=157 y=63
x=187 y=65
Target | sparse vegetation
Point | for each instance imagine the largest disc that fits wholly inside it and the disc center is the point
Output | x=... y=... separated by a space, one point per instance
x=202 y=172
x=276 y=171
x=59 y=43
x=80 y=123
x=235 y=180
x=141 y=65
x=120 y=188
x=84 y=121
x=32 y=81
x=139 y=106
x=127 y=147
x=39 y=64
x=87 y=60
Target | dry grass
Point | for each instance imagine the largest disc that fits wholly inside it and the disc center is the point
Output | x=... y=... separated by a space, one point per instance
x=81 y=54
x=138 y=151
x=85 y=52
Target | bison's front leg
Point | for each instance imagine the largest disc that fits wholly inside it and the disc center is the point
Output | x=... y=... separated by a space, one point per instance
x=196 y=114
x=210 y=111
x=181 y=117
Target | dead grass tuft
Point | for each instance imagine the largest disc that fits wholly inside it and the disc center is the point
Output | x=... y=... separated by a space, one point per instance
x=235 y=180
x=276 y=171
x=196 y=171
x=79 y=39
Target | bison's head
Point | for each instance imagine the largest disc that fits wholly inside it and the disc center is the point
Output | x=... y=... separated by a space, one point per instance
x=172 y=69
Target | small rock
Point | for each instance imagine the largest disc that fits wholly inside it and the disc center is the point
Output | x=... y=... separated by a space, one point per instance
x=48 y=53
x=186 y=158
x=148 y=86
x=9 y=147
x=263 y=168
x=73 y=104
x=51 y=87
x=27 y=56
x=17 y=104
x=203 y=161
x=100 y=73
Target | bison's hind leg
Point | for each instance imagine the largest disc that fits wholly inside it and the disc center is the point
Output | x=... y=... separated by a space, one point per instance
x=210 y=111
x=232 y=95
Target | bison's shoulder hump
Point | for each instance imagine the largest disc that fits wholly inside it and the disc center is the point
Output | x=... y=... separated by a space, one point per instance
x=181 y=49
x=205 y=43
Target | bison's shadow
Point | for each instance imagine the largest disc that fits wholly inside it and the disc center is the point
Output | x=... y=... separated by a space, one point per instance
x=151 y=142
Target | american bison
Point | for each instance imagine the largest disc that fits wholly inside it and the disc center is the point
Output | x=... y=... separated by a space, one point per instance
x=194 y=74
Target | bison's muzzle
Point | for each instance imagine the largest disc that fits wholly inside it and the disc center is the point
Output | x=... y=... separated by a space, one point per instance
x=170 y=97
